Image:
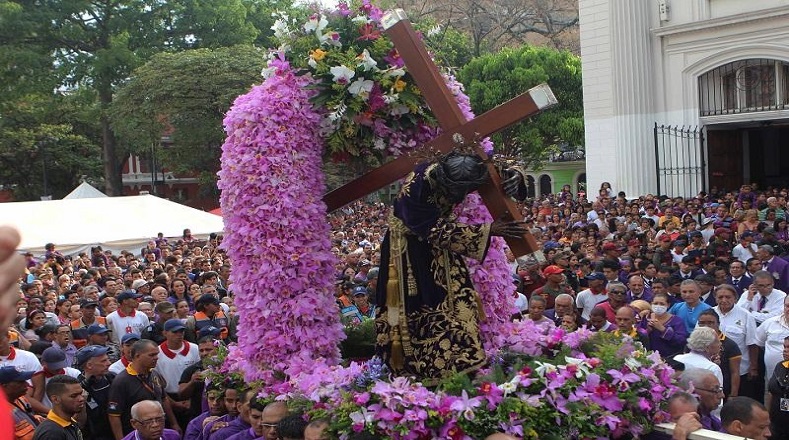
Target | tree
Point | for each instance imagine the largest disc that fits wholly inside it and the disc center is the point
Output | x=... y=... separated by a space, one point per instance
x=96 y=44
x=185 y=94
x=42 y=149
x=493 y=24
x=493 y=79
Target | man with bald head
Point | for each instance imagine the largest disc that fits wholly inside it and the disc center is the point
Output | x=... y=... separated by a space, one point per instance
x=147 y=419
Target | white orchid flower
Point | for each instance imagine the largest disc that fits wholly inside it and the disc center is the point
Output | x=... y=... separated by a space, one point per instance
x=367 y=62
x=317 y=23
x=361 y=87
x=342 y=74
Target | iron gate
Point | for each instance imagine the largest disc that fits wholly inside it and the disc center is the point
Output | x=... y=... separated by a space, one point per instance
x=680 y=160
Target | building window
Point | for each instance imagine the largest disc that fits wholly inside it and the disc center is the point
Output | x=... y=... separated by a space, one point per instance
x=744 y=86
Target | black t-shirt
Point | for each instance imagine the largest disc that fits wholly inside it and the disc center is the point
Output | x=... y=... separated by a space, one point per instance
x=50 y=430
x=98 y=388
x=128 y=389
x=196 y=401
x=729 y=350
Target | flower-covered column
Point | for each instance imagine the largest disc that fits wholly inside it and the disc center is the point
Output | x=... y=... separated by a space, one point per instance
x=276 y=230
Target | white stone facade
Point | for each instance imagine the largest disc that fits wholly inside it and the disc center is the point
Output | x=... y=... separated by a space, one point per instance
x=641 y=67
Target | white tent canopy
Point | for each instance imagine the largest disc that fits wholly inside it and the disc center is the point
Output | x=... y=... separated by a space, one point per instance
x=85 y=191
x=115 y=223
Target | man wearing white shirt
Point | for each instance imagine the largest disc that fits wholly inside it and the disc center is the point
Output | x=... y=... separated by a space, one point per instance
x=739 y=326
x=587 y=299
x=771 y=335
x=126 y=319
x=175 y=354
x=762 y=300
x=746 y=249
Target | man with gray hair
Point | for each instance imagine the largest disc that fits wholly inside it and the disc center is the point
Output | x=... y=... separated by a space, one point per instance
x=704 y=345
x=776 y=266
x=562 y=305
x=147 y=418
x=762 y=299
x=706 y=386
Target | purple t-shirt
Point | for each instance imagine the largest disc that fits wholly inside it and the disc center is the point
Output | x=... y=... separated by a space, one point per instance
x=167 y=434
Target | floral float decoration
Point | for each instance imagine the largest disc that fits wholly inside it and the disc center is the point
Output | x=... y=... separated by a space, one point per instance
x=335 y=89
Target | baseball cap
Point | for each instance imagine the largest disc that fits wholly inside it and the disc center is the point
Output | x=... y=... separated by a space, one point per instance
x=130 y=337
x=769 y=230
x=97 y=329
x=610 y=247
x=665 y=238
x=552 y=270
x=128 y=294
x=11 y=374
x=695 y=234
x=596 y=276
x=138 y=283
x=209 y=331
x=680 y=243
x=359 y=290
x=721 y=231
x=54 y=357
x=85 y=303
x=633 y=243
x=746 y=234
x=164 y=307
x=90 y=351
x=174 y=325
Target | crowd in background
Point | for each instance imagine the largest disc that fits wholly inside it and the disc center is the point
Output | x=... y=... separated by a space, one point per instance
x=117 y=342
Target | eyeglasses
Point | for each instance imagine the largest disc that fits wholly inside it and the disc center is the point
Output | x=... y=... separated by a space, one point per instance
x=151 y=422
x=617 y=292
x=716 y=390
x=763 y=286
x=269 y=425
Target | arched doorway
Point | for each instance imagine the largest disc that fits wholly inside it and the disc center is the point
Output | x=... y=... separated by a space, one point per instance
x=546 y=185
x=530 y=189
x=580 y=183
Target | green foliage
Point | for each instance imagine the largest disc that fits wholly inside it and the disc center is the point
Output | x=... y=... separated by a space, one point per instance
x=185 y=94
x=493 y=79
x=36 y=129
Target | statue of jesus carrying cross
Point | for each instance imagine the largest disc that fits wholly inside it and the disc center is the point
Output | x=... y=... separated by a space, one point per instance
x=429 y=312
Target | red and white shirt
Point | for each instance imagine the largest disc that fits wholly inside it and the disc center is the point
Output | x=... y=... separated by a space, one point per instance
x=121 y=324
x=172 y=363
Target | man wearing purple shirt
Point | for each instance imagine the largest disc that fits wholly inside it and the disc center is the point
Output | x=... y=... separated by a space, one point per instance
x=241 y=423
x=147 y=419
x=704 y=383
x=636 y=289
x=216 y=408
x=256 y=409
x=230 y=399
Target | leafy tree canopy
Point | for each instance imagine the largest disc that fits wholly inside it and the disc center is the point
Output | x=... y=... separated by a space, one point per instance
x=186 y=95
x=496 y=78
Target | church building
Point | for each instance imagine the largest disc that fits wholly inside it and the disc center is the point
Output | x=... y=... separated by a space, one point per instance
x=682 y=96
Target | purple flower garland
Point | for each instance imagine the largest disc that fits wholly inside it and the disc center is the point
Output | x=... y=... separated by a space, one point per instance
x=278 y=239
x=276 y=230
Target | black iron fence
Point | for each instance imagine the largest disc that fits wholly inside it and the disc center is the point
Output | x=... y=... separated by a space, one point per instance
x=680 y=160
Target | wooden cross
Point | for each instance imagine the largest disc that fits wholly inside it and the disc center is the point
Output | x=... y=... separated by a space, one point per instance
x=455 y=128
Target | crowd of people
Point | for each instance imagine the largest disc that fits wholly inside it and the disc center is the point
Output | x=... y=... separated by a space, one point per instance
x=107 y=346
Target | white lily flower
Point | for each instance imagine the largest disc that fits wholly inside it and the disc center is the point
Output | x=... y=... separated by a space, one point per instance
x=360 y=19
x=545 y=368
x=342 y=74
x=395 y=73
x=508 y=387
